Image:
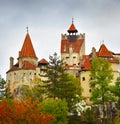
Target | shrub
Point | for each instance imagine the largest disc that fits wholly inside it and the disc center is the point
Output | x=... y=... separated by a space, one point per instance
x=58 y=108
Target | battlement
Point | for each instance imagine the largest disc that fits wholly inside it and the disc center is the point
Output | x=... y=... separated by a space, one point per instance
x=66 y=37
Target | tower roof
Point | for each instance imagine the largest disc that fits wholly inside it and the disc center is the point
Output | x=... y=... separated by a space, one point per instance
x=104 y=52
x=27 y=48
x=72 y=28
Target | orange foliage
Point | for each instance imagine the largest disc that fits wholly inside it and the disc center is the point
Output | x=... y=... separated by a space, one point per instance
x=22 y=112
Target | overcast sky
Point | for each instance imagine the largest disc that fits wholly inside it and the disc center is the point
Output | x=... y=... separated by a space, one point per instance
x=47 y=19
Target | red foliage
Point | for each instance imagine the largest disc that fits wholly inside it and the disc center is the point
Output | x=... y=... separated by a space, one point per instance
x=22 y=112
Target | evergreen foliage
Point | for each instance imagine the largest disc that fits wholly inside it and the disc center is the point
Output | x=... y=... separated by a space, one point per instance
x=60 y=84
x=2 y=88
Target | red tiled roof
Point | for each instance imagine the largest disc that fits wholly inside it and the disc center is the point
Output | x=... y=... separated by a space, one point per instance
x=104 y=52
x=76 y=45
x=43 y=61
x=86 y=63
x=27 y=48
x=72 y=28
x=26 y=65
x=14 y=68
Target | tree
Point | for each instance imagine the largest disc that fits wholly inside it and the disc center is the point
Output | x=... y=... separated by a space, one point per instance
x=102 y=76
x=117 y=118
x=56 y=107
x=54 y=74
x=22 y=112
x=115 y=89
x=2 y=88
x=60 y=84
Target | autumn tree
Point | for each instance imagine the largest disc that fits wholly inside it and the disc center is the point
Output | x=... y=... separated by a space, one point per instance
x=22 y=112
x=102 y=76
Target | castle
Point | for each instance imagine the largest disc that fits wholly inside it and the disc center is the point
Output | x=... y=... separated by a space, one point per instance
x=28 y=68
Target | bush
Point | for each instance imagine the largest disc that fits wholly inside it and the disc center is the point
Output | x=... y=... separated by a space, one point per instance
x=117 y=118
x=89 y=116
x=58 y=108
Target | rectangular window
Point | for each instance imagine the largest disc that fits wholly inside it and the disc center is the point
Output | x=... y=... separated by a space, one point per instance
x=67 y=57
x=74 y=57
x=83 y=78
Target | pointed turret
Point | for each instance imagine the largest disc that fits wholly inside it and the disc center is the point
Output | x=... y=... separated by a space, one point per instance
x=72 y=33
x=72 y=28
x=27 y=48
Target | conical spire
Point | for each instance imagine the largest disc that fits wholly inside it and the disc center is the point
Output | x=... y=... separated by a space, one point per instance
x=27 y=48
x=72 y=28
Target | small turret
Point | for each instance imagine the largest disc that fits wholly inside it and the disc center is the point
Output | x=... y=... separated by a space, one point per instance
x=72 y=33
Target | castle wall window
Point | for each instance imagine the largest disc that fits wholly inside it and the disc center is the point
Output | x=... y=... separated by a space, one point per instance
x=67 y=57
x=83 y=78
x=74 y=57
x=90 y=90
x=74 y=64
x=90 y=78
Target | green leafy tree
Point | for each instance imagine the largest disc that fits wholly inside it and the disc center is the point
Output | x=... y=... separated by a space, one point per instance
x=115 y=89
x=60 y=84
x=102 y=76
x=56 y=107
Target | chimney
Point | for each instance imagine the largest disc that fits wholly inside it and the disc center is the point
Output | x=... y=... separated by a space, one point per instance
x=93 y=52
x=11 y=62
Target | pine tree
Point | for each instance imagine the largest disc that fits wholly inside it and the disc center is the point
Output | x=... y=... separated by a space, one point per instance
x=60 y=84
x=2 y=88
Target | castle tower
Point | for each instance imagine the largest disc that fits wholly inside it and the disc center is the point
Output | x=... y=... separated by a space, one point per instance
x=72 y=47
x=26 y=70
